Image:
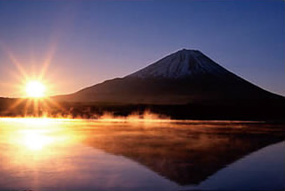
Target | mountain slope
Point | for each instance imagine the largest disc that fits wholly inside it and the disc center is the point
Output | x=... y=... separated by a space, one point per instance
x=184 y=77
x=181 y=64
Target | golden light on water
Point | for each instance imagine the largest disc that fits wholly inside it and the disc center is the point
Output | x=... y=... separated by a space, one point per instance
x=35 y=89
x=35 y=140
x=37 y=135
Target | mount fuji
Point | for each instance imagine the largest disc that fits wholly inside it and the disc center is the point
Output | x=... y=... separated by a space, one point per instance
x=184 y=77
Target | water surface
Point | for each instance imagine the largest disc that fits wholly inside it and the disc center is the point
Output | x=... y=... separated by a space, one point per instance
x=58 y=154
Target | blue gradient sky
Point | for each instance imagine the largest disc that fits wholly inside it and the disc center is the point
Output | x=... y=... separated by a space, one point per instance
x=86 y=42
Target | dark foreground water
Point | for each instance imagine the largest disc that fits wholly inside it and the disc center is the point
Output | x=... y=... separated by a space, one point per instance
x=57 y=154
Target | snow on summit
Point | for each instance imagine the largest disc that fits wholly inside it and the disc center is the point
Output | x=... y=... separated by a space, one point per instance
x=181 y=64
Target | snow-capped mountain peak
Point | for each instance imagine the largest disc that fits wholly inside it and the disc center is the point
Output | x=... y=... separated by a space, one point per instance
x=179 y=65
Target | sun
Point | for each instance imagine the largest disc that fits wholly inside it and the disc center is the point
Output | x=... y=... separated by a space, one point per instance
x=35 y=89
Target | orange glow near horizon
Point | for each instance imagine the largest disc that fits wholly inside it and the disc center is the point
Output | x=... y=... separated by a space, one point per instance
x=31 y=81
x=27 y=69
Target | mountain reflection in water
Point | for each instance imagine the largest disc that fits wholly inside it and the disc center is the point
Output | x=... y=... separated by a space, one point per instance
x=54 y=154
x=261 y=170
x=186 y=153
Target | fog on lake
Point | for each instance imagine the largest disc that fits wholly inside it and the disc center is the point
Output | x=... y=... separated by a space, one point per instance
x=43 y=154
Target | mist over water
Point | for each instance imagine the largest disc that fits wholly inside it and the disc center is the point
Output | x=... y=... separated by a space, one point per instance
x=131 y=153
x=142 y=95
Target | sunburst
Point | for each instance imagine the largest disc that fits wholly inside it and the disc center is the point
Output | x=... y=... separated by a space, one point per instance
x=34 y=87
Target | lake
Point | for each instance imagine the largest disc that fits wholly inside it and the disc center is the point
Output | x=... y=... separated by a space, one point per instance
x=43 y=154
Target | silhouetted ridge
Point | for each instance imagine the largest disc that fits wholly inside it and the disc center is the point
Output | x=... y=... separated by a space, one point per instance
x=186 y=77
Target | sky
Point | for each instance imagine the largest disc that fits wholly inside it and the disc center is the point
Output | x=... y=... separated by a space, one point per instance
x=71 y=45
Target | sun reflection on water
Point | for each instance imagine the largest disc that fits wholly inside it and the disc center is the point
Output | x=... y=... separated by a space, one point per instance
x=34 y=140
x=37 y=136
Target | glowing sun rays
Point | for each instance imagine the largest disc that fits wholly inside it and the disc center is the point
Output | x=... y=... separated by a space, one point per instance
x=32 y=86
